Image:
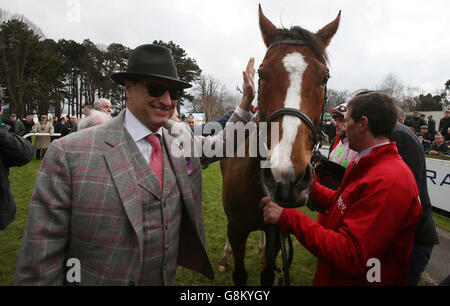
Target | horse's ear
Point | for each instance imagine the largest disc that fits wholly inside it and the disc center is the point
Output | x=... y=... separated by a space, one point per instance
x=268 y=30
x=328 y=31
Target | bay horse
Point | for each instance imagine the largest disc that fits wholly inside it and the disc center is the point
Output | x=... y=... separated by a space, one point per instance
x=292 y=90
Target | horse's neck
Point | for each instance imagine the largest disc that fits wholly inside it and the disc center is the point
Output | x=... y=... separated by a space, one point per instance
x=253 y=163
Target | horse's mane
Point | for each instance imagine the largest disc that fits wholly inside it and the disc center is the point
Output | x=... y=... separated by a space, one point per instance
x=299 y=33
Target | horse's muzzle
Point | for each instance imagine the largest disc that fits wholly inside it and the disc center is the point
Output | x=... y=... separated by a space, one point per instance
x=291 y=194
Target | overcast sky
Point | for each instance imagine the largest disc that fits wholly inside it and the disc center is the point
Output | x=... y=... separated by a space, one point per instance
x=408 y=38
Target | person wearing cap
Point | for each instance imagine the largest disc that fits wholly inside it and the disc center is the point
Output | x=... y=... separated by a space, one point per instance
x=17 y=126
x=115 y=197
x=42 y=142
x=340 y=151
x=426 y=135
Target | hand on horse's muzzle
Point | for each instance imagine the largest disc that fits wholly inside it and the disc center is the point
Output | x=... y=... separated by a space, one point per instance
x=271 y=211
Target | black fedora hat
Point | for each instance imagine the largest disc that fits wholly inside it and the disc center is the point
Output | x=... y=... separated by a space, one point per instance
x=151 y=62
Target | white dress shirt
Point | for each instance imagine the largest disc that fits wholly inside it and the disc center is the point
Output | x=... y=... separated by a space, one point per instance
x=138 y=132
x=367 y=152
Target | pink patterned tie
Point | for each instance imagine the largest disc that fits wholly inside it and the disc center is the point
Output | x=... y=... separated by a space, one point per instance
x=156 y=158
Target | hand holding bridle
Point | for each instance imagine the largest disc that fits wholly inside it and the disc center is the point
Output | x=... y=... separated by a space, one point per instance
x=271 y=211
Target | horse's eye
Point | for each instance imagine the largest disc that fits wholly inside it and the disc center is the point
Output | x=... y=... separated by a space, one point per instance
x=325 y=78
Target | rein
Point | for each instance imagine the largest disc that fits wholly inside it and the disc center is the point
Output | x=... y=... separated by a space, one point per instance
x=317 y=139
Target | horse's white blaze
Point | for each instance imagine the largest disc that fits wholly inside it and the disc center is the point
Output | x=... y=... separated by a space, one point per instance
x=283 y=169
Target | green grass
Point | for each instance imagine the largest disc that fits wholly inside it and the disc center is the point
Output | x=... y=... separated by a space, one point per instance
x=442 y=221
x=302 y=270
x=443 y=157
x=303 y=266
x=22 y=183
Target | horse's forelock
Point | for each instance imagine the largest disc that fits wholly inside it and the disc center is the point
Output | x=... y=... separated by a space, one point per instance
x=310 y=38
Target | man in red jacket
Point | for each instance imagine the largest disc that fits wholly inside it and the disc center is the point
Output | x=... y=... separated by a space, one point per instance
x=368 y=236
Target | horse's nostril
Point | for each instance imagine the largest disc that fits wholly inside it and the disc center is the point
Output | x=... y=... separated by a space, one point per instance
x=300 y=177
x=283 y=192
x=268 y=177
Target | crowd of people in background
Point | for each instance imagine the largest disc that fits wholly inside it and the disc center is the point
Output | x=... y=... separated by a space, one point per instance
x=61 y=126
x=434 y=142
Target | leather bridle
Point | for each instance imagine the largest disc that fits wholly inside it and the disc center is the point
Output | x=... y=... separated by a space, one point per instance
x=316 y=135
x=317 y=139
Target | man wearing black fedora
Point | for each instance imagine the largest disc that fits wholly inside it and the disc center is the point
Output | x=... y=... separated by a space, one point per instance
x=113 y=201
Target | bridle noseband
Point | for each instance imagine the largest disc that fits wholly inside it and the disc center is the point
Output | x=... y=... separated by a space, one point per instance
x=297 y=113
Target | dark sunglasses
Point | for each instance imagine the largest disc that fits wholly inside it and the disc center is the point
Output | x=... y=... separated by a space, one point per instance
x=157 y=90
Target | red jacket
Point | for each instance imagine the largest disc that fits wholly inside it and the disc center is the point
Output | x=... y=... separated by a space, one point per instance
x=373 y=214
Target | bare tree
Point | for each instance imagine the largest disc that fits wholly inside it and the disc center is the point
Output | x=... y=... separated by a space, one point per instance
x=336 y=97
x=410 y=98
x=393 y=87
x=212 y=98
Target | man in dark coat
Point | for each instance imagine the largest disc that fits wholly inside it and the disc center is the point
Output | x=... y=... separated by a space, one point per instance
x=431 y=125
x=439 y=146
x=416 y=122
x=15 y=151
x=412 y=153
x=28 y=124
x=69 y=127
x=17 y=126
x=426 y=133
x=444 y=124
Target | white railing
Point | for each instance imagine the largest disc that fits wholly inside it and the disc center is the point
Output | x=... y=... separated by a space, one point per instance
x=41 y=134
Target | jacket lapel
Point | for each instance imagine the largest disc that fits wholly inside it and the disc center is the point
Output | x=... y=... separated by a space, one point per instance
x=181 y=172
x=128 y=171
x=120 y=165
